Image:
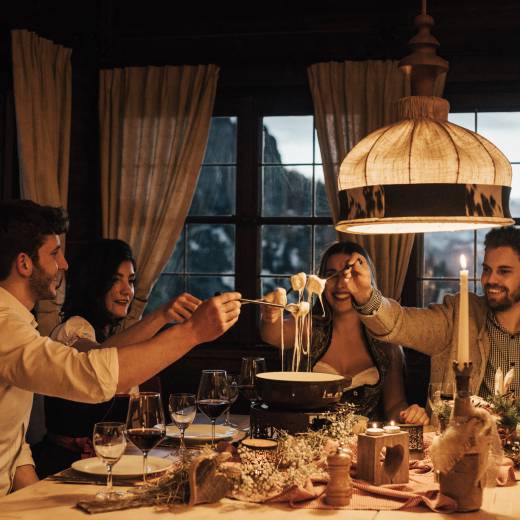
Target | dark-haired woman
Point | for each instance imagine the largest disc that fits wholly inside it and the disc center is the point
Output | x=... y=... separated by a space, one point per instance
x=340 y=344
x=99 y=293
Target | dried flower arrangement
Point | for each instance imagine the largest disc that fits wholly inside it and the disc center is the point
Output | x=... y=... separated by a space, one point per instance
x=252 y=475
x=265 y=474
x=505 y=407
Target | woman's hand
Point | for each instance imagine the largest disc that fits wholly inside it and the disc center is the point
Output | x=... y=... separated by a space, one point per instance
x=180 y=308
x=272 y=314
x=414 y=414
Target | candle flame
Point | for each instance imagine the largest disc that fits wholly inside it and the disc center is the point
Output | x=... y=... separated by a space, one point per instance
x=374 y=425
x=463 y=261
x=392 y=423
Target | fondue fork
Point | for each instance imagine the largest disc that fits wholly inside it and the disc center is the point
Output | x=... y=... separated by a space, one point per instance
x=261 y=302
x=337 y=273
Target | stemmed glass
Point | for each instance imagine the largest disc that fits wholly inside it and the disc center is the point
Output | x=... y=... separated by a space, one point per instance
x=183 y=408
x=441 y=402
x=145 y=425
x=109 y=444
x=233 y=380
x=213 y=396
x=251 y=366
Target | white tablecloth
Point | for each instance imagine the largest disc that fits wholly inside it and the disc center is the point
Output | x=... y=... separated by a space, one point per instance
x=54 y=501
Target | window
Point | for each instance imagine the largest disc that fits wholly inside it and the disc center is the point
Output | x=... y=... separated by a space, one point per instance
x=259 y=213
x=293 y=200
x=439 y=268
x=204 y=258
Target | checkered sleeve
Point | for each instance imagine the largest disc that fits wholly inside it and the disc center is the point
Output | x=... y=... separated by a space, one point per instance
x=371 y=306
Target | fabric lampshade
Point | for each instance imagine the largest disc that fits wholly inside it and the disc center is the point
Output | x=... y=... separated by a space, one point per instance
x=423 y=173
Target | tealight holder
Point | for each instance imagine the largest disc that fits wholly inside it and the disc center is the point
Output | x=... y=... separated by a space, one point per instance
x=415 y=436
x=383 y=459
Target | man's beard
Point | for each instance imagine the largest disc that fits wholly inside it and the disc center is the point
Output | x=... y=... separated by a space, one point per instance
x=40 y=284
x=505 y=302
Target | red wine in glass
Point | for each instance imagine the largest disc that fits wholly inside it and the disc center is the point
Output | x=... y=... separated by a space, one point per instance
x=213 y=396
x=145 y=425
x=213 y=408
x=145 y=438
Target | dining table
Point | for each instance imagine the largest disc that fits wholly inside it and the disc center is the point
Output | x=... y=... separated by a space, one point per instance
x=54 y=500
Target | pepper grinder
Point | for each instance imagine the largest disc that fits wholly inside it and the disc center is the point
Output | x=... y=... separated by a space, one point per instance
x=339 y=488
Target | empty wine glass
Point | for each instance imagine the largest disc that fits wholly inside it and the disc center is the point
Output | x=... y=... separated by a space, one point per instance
x=109 y=444
x=233 y=381
x=213 y=396
x=248 y=370
x=183 y=408
x=145 y=425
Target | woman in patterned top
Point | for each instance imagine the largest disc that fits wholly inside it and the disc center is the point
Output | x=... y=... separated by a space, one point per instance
x=340 y=345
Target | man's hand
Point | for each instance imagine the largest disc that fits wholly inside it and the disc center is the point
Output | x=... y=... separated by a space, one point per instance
x=414 y=414
x=271 y=314
x=215 y=316
x=359 y=278
x=180 y=308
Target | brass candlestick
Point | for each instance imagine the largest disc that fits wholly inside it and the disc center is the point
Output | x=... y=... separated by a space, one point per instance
x=462 y=481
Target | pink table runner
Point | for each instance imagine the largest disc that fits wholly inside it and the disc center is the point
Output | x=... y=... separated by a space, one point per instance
x=421 y=490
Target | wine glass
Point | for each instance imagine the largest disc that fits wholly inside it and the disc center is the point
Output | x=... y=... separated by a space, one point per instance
x=233 y=380
x=109 y=444
x=213 y=396
x=183 y=408
x=145 y=425
x=251 y=366
x=441 y=402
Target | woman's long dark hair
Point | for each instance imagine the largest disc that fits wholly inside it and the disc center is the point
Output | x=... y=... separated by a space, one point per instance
x=346 y=248
x=88 y=281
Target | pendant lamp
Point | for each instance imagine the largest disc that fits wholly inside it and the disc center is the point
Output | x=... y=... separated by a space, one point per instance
x=423 y=173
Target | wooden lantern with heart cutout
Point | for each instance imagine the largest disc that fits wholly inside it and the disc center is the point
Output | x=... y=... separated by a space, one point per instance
x=383 y=459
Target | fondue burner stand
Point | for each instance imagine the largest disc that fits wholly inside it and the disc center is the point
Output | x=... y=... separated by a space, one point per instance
x=265 y=419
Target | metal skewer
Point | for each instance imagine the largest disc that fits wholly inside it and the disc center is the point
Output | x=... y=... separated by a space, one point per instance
x=346 y=268
x=261 y=302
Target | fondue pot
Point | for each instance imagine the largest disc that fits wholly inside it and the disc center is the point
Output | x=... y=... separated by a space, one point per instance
x=300 y=390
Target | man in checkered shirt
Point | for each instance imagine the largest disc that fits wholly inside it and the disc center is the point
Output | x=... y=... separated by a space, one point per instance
x=494 y=319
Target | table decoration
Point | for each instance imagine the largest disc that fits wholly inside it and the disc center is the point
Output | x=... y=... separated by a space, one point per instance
x=391 y=428
x=260 y=444
x=505 y=407
x=415 y=436
x=463 y=343
x=383 y=459
x=196 y=481
x=468 y=448
x=299 y=471
x=374 y=430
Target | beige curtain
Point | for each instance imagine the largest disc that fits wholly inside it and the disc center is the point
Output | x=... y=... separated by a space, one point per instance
x=352 y=99
x=42 y=94
x=154 y=129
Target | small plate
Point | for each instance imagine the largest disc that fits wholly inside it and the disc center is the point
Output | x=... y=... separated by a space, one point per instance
x=128 y=466
x=201 y=432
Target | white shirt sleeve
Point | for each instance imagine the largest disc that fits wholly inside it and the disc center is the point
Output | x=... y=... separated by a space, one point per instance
x=38 y=364
x=73 y=329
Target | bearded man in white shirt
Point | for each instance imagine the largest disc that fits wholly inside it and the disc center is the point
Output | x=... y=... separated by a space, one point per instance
x=31 y=269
